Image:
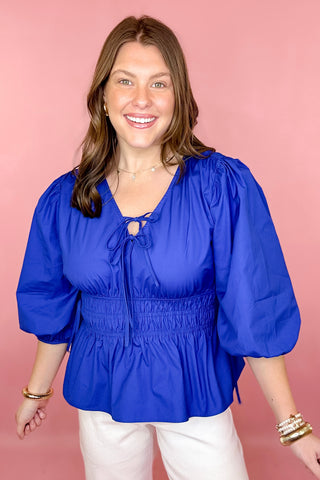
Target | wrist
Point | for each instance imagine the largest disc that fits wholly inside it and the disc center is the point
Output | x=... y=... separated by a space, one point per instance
x=40 y=387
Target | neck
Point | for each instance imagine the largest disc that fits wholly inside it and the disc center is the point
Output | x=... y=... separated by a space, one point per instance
x=138 y=159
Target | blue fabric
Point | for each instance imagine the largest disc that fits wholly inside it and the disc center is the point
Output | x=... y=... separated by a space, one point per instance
x=159 y=323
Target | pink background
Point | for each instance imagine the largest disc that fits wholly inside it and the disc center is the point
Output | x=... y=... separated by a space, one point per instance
x=255 y=71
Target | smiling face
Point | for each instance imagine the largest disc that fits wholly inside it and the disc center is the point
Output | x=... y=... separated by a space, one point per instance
x=139 y=96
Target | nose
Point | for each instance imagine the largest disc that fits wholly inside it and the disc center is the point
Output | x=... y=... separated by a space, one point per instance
x=142 y=97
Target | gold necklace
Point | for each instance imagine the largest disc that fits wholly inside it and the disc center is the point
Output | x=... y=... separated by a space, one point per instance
x=134 y=174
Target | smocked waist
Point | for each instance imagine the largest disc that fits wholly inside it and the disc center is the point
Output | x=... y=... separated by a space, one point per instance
x=107 y=314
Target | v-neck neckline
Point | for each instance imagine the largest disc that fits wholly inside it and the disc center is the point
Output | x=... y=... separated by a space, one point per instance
x=154 y=211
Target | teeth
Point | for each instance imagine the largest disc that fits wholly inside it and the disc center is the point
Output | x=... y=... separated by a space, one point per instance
x=140 y=120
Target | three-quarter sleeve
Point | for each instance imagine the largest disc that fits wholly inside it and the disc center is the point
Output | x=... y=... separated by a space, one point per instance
x=46 y=299
x=258 y=314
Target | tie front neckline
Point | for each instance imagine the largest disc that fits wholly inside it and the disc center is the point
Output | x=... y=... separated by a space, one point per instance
x=121 y=242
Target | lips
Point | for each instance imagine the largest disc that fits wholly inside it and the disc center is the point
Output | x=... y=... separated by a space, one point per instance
x=140 y=121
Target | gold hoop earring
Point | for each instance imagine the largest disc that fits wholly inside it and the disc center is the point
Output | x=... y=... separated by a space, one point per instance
x=106 y=111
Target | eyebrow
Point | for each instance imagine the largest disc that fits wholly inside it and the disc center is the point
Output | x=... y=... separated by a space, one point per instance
x=126 y=72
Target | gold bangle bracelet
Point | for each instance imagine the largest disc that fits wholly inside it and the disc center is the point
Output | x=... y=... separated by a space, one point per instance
x=296 y=435
x=37 y=396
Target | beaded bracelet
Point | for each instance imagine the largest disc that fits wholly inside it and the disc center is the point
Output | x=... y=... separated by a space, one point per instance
x=37 y=396
x=291 y=424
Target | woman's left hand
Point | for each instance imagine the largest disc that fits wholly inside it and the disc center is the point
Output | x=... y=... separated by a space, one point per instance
x=307 y=449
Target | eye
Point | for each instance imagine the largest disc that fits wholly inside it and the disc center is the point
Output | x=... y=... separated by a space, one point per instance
x=158 y=85
x=125 y=81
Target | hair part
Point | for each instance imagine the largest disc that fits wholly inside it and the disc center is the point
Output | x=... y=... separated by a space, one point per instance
x=100 y=142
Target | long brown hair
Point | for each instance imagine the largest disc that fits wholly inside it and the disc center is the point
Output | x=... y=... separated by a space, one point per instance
x=100 y=142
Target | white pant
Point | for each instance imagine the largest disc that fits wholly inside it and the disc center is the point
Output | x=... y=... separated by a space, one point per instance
x=203 y=448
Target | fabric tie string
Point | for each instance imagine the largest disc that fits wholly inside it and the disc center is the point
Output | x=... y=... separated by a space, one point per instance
x=76 y=323
x=120 y=242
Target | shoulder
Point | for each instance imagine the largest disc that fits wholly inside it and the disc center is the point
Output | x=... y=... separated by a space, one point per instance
x=60 y=190
x=215 y=163
x=219 y=173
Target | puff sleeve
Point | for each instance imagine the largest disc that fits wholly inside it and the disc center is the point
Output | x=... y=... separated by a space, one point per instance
x=46 y=299
x=258 y=314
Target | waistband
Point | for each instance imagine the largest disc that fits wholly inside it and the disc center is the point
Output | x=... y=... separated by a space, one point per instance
x=150 y=315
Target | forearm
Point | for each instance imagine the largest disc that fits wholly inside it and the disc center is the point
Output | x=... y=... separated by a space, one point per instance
x=272 y=377
x=47 y=362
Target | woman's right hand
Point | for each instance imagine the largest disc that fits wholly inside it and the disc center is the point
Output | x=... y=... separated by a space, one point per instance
x=30 y=415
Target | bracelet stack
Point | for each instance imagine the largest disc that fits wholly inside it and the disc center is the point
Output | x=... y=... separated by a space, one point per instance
x=292 y=429
x=37 y=396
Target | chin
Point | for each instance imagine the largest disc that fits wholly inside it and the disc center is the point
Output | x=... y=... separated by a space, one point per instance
x=142 y=147
x=142 y=144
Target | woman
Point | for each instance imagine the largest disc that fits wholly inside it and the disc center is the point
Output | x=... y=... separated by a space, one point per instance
x=163 y=273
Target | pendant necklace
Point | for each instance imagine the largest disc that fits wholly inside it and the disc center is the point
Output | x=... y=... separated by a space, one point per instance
x=134 y=174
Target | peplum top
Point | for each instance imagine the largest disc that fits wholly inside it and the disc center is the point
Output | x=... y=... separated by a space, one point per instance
x=158 y=323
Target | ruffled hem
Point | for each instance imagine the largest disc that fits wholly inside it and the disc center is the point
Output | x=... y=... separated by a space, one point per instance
x=169 y=378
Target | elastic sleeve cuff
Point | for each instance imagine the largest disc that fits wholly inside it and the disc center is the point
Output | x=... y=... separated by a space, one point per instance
x=53 y=339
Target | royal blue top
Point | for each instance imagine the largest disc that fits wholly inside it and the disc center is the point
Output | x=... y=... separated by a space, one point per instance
x=159 y=322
